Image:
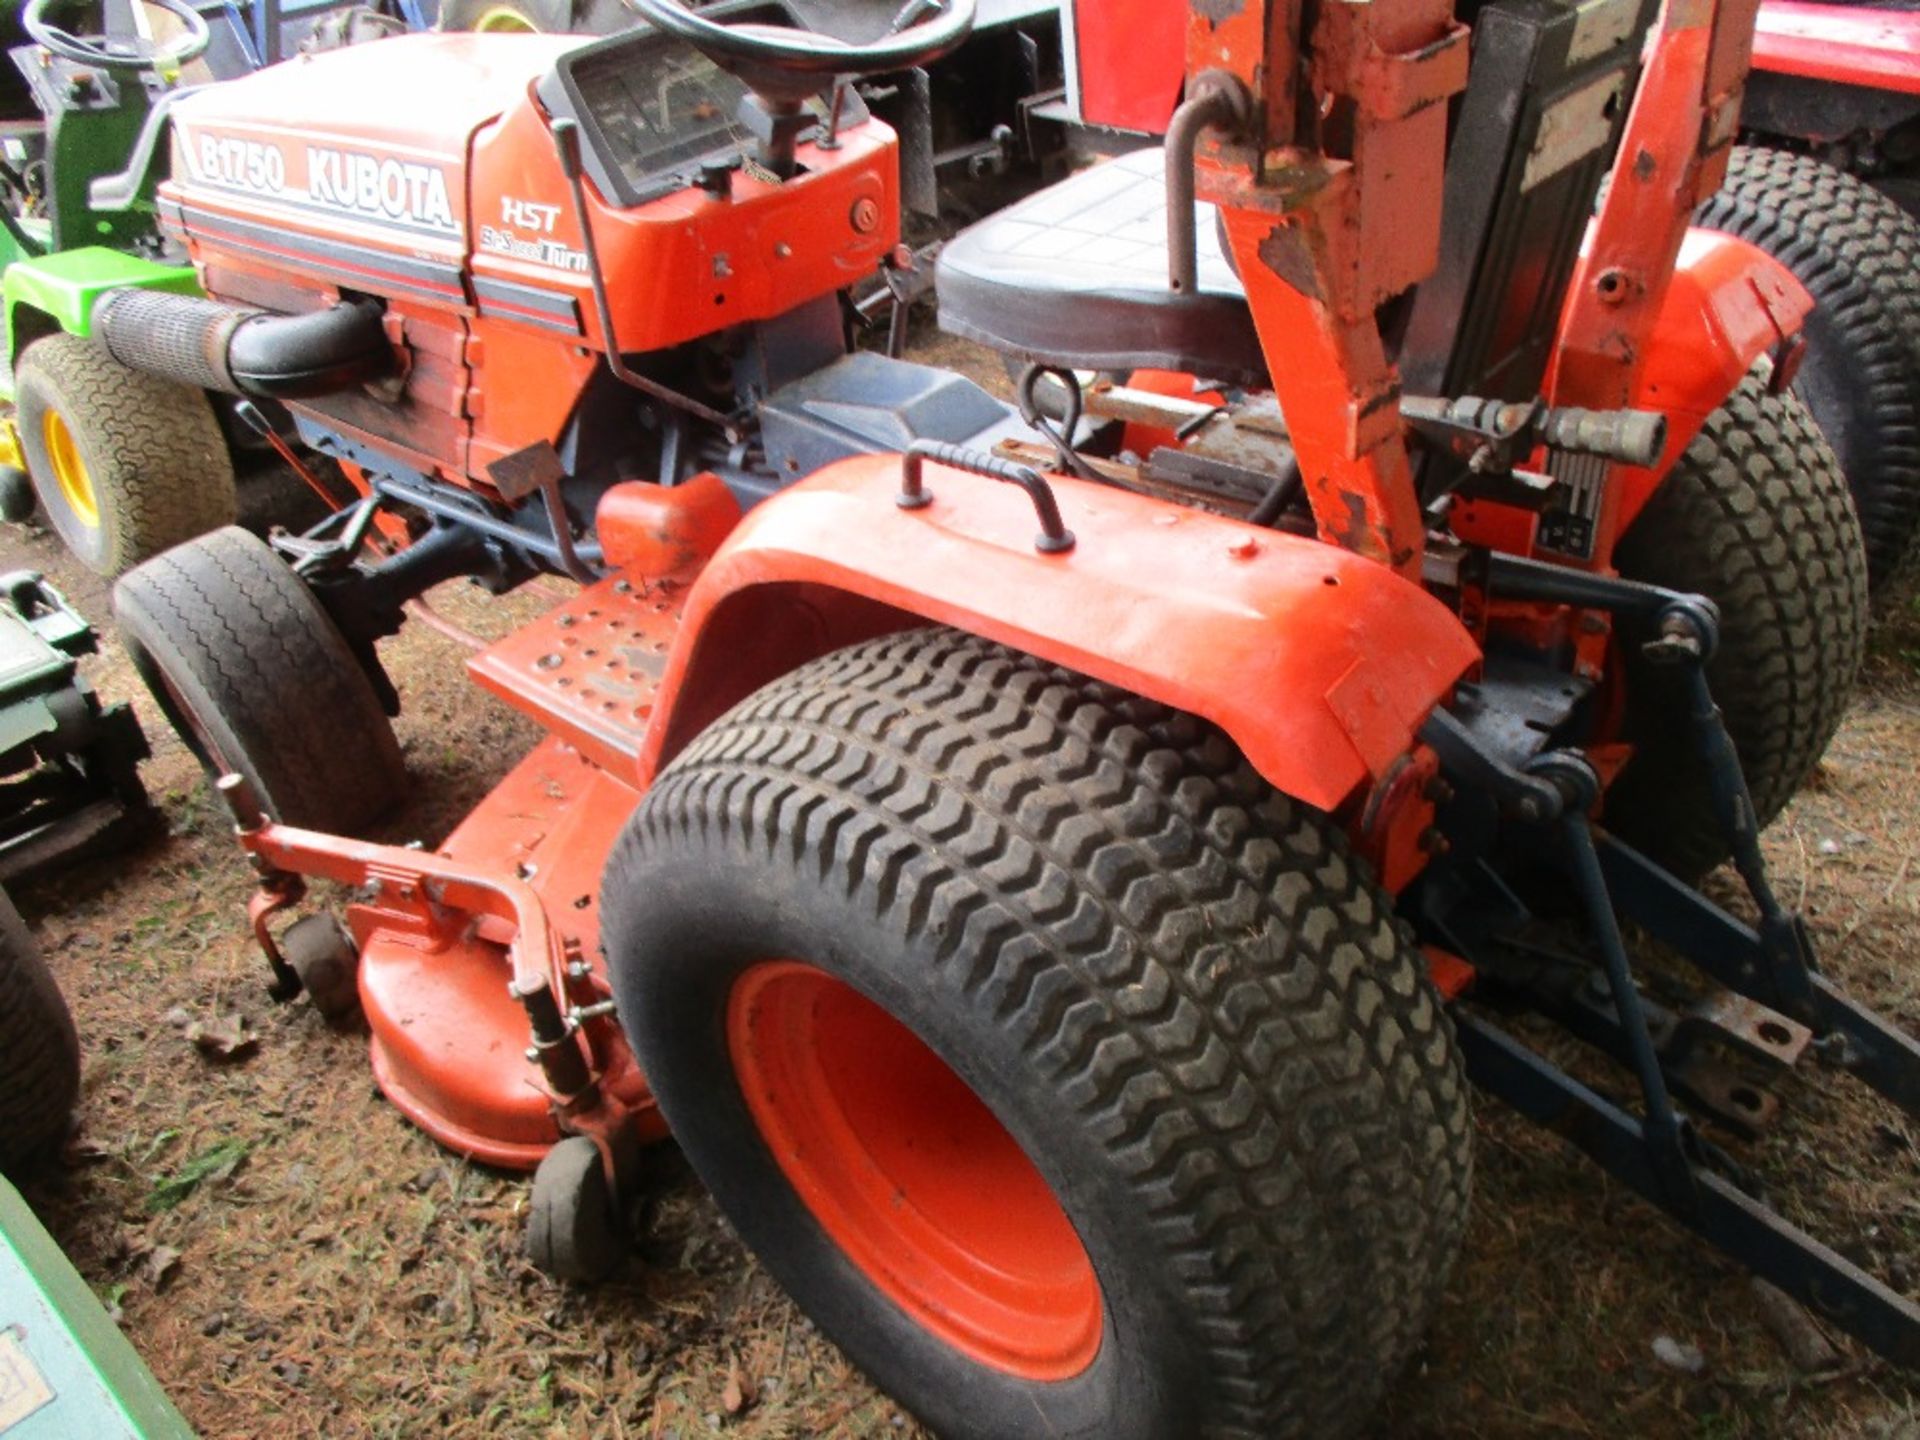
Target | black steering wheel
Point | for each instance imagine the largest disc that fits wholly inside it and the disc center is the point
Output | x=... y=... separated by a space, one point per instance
x=924 y=31
x=116 y=52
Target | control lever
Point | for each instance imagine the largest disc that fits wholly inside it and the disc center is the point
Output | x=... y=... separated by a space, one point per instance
x=566 y=144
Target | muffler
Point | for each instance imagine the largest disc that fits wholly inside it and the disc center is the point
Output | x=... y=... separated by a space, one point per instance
x=211 y=346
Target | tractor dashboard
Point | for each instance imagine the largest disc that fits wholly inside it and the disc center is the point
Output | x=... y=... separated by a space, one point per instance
x=654 y=111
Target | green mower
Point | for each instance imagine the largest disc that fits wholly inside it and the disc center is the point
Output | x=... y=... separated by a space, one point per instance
x=123 y=465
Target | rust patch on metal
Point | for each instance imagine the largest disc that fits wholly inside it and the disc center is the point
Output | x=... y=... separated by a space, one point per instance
x=1353 y=535
x=1285 y=252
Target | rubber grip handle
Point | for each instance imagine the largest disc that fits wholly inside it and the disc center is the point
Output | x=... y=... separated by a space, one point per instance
x=1054 y=535
x=566 y=140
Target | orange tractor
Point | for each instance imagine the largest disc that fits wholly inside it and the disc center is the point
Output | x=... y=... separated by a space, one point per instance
x=1054 y=870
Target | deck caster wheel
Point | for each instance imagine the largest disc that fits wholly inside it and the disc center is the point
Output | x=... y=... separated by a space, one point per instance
x=16 y=495
x=322 y=954
x=575 y=1230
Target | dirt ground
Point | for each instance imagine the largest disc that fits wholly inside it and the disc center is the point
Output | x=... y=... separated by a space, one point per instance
x=293 y=1259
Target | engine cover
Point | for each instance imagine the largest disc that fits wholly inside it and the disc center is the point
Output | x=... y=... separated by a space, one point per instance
x=348 y=167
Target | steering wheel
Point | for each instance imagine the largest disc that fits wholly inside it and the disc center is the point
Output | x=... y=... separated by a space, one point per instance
x=754 y=48
x=120 y=53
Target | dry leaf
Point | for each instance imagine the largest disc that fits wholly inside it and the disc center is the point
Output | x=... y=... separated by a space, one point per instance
x=162 y=1262
x=738 y=1394
x=225 y=1037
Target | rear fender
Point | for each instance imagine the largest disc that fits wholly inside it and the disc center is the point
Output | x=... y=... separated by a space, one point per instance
x=1871 y=47
x=1319 y=664
x=1730 y=303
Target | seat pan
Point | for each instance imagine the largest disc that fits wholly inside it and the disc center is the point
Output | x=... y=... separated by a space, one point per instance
x=1076 y=275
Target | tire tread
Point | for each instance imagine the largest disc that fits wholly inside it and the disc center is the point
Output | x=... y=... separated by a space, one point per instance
x=226 y=613
x=1196 y=966
x=158 y=461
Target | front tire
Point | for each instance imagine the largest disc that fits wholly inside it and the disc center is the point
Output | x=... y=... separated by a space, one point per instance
x=125 y=464
x=1072 y=1079
x=255 y=677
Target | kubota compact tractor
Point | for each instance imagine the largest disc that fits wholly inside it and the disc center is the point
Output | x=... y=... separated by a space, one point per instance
x=1053 y=873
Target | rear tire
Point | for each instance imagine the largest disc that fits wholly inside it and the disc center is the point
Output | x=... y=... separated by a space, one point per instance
x=39 y=1049
x=1080 y=978
x=125 y=464
x=1756 y=516
x=256 y=678
x=1858 y=253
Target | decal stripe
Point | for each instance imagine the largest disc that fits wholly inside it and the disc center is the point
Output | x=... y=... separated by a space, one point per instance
x=359 y=264
x=527 y=302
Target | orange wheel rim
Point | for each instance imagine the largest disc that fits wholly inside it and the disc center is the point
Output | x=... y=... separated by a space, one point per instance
x=70 y=470
x=911 y=1175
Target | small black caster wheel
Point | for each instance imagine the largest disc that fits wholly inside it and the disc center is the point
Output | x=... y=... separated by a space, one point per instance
x=575 y=1231
x=17 y=499
x=322 y=954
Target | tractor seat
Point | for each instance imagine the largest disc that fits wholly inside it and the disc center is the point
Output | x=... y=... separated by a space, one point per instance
x=1076 y=275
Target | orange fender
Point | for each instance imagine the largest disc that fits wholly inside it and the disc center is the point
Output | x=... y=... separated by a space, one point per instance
x=1319 y=664
x=1730 y=303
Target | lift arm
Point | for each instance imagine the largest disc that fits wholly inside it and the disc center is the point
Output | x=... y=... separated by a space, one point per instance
x=1324 y=148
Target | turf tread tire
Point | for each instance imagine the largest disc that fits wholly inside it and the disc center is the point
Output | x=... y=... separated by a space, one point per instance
x=39 y=1048
x=159 y=464
x=1235 y=1038
x=227 y=624
x=1756 y=516
x=1858 y=253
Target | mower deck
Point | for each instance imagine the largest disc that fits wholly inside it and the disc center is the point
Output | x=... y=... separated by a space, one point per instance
x=449 y=1036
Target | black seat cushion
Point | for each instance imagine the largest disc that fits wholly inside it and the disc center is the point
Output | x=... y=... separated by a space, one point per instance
x=1076 y=275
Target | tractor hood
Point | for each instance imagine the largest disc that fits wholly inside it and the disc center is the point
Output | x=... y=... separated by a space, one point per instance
x=364 y=145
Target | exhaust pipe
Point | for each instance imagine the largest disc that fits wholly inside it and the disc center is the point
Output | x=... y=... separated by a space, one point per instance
x=211 y=346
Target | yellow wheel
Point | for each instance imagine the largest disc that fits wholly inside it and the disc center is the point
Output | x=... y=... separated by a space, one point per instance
x=125 y=464
x=70 y=470
x=504 y=19
x=508 y=17
x=546 y=17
